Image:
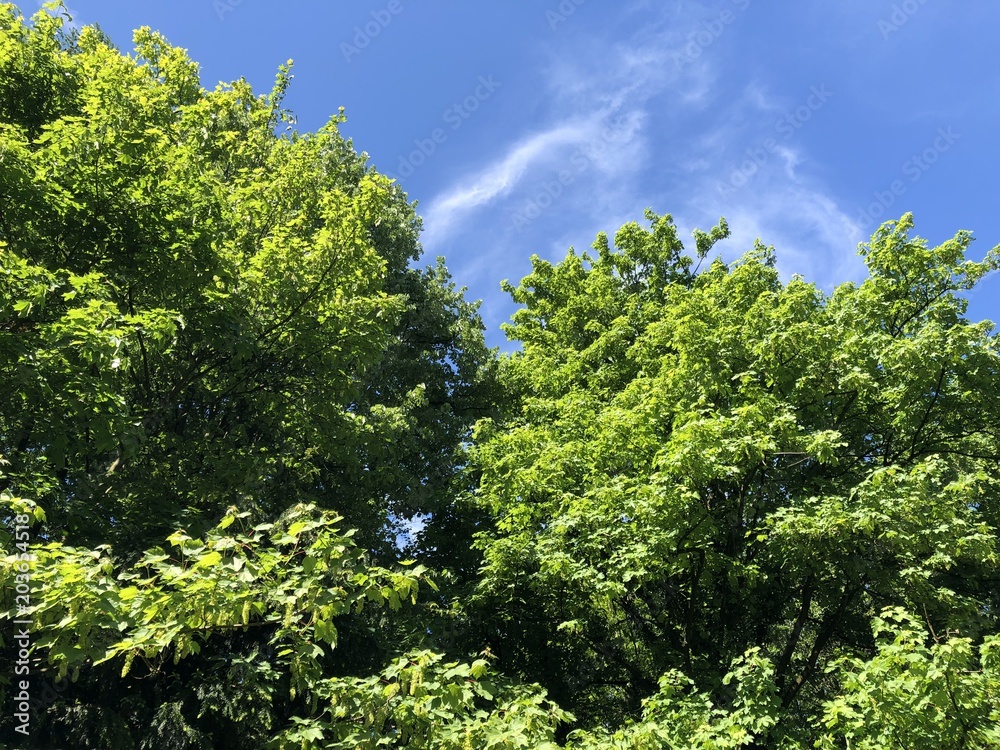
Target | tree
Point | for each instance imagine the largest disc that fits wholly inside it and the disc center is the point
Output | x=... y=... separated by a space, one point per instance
x=224 y=641
x=703 y=471
x=197 y=305
x=202 y=308
x=700 y=508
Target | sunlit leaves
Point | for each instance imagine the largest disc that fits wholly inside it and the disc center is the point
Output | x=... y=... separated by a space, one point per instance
x=698 y=465
x=420 y=700
x=170 y=602
x=917 y=692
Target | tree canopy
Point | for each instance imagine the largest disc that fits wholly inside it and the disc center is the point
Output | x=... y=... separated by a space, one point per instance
x=709 y=469
x=263 y=485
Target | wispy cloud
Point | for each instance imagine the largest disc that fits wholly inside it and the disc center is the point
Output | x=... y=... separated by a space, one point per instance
x=588 y=96
x=761 y=177
x=446 y=210
x=682 y=131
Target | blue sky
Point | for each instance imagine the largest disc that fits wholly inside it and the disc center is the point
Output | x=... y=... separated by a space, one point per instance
x=527 y=126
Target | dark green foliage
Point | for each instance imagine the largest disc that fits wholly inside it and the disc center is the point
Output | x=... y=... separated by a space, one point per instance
x=202 y=308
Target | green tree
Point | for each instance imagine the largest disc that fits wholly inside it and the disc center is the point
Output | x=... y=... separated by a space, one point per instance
x=700 y=508
x=170 y=638
x=202 y=308
x=702 y=470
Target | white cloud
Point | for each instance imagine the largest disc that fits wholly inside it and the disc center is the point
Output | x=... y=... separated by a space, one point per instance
x=811 y=234
x=682 y=130
x=496 y=179
x=600 y=110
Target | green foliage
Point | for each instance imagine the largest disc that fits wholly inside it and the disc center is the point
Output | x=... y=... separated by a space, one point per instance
x=293 y=577
x=419 y=701
x=679 y=717
x=917 y=694
x=700 y=467
x=201 y=306
x=700 y=508
x=292 y=580
x=203 y=309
